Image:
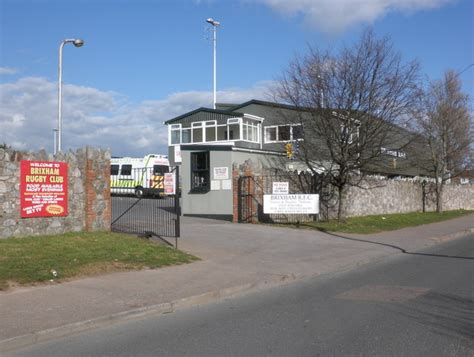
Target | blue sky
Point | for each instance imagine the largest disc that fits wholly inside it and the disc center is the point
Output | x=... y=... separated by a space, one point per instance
x=147 y=61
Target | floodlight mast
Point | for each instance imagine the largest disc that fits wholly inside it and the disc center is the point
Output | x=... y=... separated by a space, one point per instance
x=214 y=24
x=58 y=131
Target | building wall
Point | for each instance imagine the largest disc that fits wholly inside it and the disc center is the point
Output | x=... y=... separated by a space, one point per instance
x=89 y=203
x=213 y=202
x=217 y=203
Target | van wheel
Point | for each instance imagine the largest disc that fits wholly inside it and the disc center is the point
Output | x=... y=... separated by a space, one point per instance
x=139 y=193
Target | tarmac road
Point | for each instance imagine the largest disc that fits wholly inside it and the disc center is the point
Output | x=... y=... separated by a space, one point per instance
x=415 y=304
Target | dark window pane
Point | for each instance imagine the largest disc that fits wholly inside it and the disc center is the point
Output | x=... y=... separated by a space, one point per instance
x=197 y=135
x=211 y=133
x=175 y=136
x=297 y=132
x=126 y=170
x=200 y=170
x=200 y=160
x=186 y=136
x=234 y=132
x=114 y=169
x=284 y=133
x=159 y=169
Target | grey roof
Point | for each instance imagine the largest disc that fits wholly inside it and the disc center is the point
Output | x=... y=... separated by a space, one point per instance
x=202 y=110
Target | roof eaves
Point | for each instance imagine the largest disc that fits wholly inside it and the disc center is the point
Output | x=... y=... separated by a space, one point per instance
x=201 y=109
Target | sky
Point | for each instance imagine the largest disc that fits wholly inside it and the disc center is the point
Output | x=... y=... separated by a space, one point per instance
x=147 y=61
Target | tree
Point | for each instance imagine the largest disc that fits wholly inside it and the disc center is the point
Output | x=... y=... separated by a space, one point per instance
x=444 y=121
x=350 y=102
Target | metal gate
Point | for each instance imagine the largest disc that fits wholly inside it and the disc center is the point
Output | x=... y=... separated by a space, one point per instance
x=146 y=207
x=251 y=190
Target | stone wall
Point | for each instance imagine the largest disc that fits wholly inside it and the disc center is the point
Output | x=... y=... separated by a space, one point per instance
x=379 y=196
x=396 y=196
x=89 y=202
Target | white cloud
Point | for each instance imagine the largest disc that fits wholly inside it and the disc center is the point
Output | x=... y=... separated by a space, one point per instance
x=7 y=70
x=98 y=118
x=335 y=16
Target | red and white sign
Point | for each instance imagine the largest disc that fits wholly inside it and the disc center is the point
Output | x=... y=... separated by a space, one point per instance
x=169 y=183
x=43 y=189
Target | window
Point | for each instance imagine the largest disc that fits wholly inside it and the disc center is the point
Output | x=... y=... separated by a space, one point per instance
x=233 y=128
x=297 y=132
x=160 y=169
x=186 y=135
x=126 y=170
x=175 y=134
x=250 y=130
x=210 y=130
x=283 y=133
x=200 y=171
x=197 y=136
x=234 y=132
x=114 y=170
x=247 y=129
x=270 y=134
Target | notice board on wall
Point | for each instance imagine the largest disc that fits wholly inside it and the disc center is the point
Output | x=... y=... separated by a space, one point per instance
x=43 y=189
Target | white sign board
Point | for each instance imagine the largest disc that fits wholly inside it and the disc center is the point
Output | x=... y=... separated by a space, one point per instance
x=169 y=183
x=215 y=185
x=227 y=184
x=280 y=188
x=221 y=173
x=177 y=154
x=291 y=204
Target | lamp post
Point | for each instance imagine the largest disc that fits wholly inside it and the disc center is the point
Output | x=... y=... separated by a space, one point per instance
x=214 y=24
x=77 y=43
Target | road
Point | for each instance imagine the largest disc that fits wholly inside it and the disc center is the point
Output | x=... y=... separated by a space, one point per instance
x=418 y=304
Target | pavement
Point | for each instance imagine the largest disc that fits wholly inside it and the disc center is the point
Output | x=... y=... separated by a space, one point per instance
x=235 y=259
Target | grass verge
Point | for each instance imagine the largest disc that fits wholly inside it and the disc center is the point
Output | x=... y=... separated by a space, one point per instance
x=385 y=222
x=30 y=260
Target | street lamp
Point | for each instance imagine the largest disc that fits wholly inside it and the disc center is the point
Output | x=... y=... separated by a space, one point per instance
x=214 y=24
x=78 y=43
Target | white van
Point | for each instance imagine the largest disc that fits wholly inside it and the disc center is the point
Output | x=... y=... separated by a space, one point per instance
x=139 y=176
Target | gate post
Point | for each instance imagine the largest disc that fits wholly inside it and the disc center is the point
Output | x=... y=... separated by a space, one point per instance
x=177 y=209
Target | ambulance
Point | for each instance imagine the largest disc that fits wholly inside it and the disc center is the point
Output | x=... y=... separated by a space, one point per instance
x=141 y=177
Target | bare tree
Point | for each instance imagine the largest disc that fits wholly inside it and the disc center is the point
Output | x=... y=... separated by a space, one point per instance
x=349 y=104
x=444 y=121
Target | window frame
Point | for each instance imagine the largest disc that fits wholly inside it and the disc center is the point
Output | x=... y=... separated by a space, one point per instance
x=277 y=133
x=197 y=172
x=253 y=127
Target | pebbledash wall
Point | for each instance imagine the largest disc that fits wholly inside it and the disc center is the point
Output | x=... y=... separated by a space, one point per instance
x=382 y=196
x=88 y=190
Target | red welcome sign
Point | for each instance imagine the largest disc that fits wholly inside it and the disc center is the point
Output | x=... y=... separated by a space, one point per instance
x=43 y=189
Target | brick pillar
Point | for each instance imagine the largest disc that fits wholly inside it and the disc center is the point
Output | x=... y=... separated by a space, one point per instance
x=98 y=213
